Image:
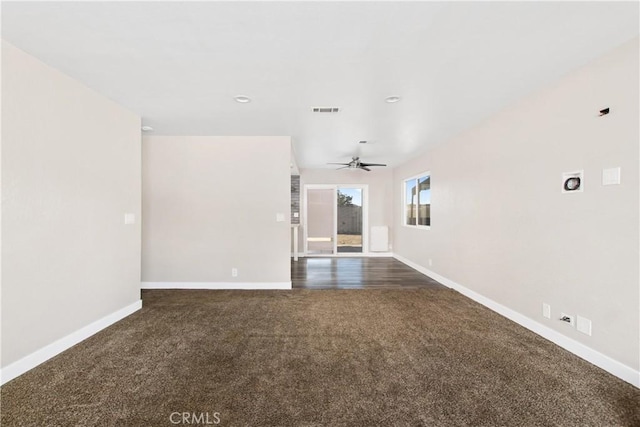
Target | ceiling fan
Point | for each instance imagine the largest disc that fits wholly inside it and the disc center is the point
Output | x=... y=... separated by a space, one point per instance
x=355 y=163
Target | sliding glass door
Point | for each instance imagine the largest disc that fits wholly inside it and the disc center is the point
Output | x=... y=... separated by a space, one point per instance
x=335 y=218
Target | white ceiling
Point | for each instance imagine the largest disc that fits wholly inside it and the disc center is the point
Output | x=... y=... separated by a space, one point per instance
x=179 y=64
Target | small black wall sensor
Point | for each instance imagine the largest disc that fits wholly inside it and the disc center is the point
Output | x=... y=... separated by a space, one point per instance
x=572 y=184
x=604 y=112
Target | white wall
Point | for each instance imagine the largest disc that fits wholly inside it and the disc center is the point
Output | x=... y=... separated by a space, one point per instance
x=380 y=186
x=501 y=226
x=70 y=170
x=210 y=205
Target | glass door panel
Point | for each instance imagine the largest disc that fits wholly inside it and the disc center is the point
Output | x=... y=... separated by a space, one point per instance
x=321 y=205
x=349 y=220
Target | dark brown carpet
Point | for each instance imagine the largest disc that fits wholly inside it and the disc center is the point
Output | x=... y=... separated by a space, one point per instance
x=318 y=358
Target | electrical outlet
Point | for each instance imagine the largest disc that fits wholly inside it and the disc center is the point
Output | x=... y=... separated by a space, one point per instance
x=430 y=262
x=234 y=272
x=583 y=325
x=546 y=310
x=568 y=318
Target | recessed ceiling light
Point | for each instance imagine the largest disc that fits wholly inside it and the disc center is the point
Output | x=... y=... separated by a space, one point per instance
x=242 y=99
x=392 y=99
x=147 y=128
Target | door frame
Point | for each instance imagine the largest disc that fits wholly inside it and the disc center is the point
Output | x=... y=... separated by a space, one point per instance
x=365 y=218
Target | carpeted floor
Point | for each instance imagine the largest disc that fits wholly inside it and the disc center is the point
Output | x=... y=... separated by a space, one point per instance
x=317 y=358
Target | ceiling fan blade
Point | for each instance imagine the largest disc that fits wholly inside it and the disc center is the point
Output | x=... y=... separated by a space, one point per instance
x=357 y=164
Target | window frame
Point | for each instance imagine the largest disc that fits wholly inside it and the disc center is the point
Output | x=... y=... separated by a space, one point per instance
x=416 y=178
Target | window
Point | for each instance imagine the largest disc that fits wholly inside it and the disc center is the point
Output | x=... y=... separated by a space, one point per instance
x=417 y=201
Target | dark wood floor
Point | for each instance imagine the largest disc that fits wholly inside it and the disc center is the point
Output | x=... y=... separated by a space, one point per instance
x=357 y=273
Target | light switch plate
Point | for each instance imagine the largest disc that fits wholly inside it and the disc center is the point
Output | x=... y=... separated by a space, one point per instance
x=280 y=217
x=611 y=176
x=129 y=218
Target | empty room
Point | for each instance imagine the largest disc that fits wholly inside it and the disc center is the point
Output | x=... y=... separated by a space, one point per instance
x=320 y=213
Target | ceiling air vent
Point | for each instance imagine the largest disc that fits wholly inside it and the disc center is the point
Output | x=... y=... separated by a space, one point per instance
x=325 y=109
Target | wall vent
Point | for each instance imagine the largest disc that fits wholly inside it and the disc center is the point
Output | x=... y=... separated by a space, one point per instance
x=325 y=109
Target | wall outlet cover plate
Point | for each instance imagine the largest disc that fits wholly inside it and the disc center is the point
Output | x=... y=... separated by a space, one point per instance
x=583 y=325
x=546 y=310
x=611 y=176
x=129 y=218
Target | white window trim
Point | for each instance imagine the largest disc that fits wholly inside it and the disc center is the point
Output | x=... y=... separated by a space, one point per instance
x=403 y=218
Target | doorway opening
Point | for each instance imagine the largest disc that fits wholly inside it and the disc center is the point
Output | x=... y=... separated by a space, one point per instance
x=335 y=218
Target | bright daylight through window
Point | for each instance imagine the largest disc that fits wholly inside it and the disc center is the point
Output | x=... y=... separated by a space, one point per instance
x=417 y=201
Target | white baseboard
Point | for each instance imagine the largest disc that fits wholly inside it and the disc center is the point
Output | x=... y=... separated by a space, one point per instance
x=217 y=285
x=359 y=255
x=34 y=359
x=351 y=255
x=602 y=361
x=379 y=254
